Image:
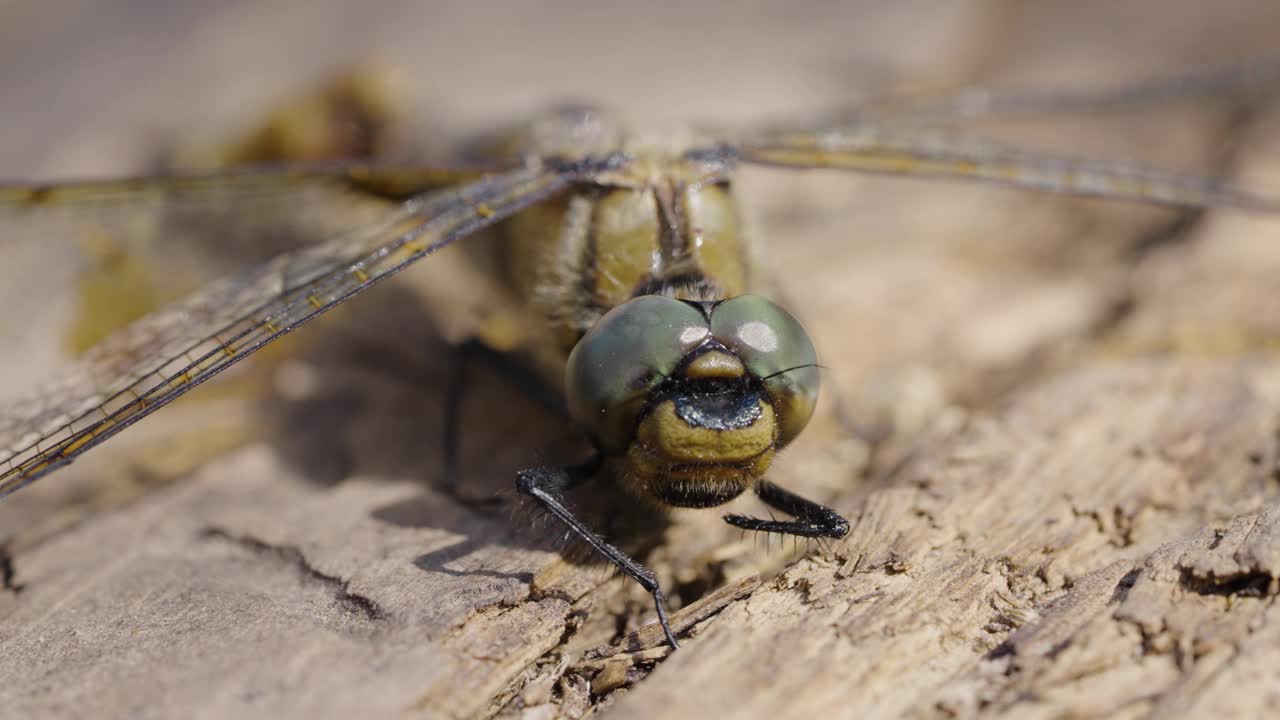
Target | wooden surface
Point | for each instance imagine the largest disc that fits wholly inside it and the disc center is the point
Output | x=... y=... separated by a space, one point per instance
x=1059 y=452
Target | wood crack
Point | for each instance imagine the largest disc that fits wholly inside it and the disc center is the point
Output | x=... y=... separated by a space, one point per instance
x=342 y=595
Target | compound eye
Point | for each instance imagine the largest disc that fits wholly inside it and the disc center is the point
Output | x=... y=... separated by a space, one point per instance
x=774 y=348
x=635 y=346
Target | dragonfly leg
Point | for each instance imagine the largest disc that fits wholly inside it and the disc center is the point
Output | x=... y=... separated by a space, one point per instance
x=466 y=355
x=547 y=485
x=812 y=520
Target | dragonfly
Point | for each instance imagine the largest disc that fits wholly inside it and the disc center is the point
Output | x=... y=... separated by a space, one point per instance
x=627 y=248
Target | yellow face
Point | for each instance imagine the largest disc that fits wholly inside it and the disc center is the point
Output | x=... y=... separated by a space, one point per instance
x=694 y=398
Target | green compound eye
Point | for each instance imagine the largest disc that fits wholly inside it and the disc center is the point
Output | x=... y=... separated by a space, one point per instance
x=629 y=351
x=775 y=348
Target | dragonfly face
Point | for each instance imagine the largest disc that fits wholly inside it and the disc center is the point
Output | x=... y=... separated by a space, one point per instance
x=694 y=396
x=632 y=254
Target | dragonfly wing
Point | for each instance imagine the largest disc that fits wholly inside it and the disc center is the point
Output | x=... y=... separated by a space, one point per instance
x=84 y=259
x=930 y=153
x=1251 y=81
x=162 y=355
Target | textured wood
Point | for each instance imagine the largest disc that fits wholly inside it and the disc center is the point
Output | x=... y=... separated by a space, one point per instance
x=1060 y=449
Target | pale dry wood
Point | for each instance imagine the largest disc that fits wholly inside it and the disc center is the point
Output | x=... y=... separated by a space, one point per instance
x=1072 y=508
x=1059 y=557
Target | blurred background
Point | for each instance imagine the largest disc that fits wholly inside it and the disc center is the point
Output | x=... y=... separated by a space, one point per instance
x=90 y=87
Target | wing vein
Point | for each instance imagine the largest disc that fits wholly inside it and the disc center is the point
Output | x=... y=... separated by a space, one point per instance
x=918 y=152
x=231 y=319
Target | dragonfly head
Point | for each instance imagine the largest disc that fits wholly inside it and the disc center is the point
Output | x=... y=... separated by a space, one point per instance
x=693 y=397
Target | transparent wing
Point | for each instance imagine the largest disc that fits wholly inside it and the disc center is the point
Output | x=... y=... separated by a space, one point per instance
x=327 y=259
x=1251 y=81
x=875 y=148
x=82 y=260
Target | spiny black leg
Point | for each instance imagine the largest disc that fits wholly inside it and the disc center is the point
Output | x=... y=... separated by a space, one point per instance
x=471 y=351
x=546 y=485
x=812 y=520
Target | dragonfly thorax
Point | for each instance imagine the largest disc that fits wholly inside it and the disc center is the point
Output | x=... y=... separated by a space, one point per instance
x=602 y=244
